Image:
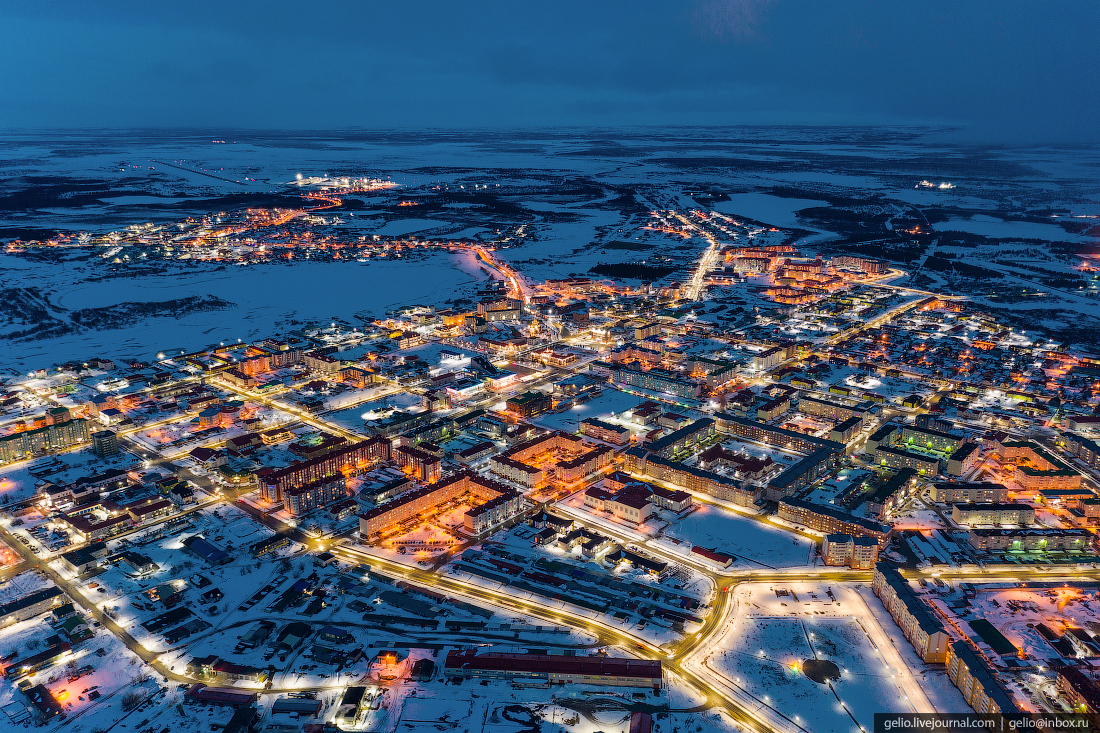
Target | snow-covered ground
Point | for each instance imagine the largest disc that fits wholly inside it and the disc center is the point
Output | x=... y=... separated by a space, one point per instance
x=753 y=544
x=568 y=207
x=266 y=298
x=767 y=209
x=992 y=226
x=115 y=671
x=353 y=418
x=768 y=659
x=19 y=480
x=888 y=387
x=22 y=585
x=611 y=402
x=775 y=628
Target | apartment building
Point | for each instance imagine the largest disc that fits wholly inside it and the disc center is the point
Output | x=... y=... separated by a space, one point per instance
x=977 y=682
x=992 y=513
x=859 y=553
x=915 y=619
x=831 y=521
x=968 y=493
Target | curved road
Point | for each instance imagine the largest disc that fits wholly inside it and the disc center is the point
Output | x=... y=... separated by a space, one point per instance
x=679 y=657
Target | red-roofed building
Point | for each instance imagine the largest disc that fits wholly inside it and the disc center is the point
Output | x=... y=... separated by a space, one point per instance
x=719 y=558
x=555 y=669
x=149 y=510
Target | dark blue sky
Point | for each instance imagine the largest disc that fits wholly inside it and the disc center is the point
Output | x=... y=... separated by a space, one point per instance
x=1010 y=71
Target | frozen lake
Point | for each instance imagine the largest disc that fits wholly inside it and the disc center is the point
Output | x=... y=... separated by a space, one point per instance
x=766 y=208
x=266 y=298
x=991 y=226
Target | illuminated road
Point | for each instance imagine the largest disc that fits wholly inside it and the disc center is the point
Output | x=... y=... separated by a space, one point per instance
x=875 y=322
x=517 y=287
x=681 y=658
x=694 y=288
x=685 y=657
x=670 y=656
x=305 y=416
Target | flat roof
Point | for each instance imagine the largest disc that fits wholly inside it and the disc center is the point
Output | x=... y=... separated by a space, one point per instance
x=854 y=420
x=963 y=451
x=794 y=435
x=677 y=435
x=796 y=471
x=30 y=599
x=984 y=676
x=965 y=486
x=555 y=664
x=605 y=425
x=1033 y=532
x=907 y=454
x=916 y=607
x=990 y=506
x=203 y=693
x=837 y=514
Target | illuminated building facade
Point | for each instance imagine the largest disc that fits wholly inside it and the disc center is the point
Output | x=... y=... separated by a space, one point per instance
x=347 y=461
x=416 y=503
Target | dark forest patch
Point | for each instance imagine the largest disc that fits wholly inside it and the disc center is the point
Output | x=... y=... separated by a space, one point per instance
x=631 y=246
x=631 y=270
x=940 y=264
x=125 y=314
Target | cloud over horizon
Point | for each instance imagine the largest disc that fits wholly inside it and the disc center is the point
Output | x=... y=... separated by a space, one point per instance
x=1019 y=73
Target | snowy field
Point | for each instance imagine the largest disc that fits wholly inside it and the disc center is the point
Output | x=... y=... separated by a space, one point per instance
x=775 y=628
x=844 y=480
x=992 y=226
x=767 y=209
x=353 y=418
x=611 y=402
x=553 y=206
x=753 y=544
x=265 y=299
x=767 y=662
x=888 y=387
